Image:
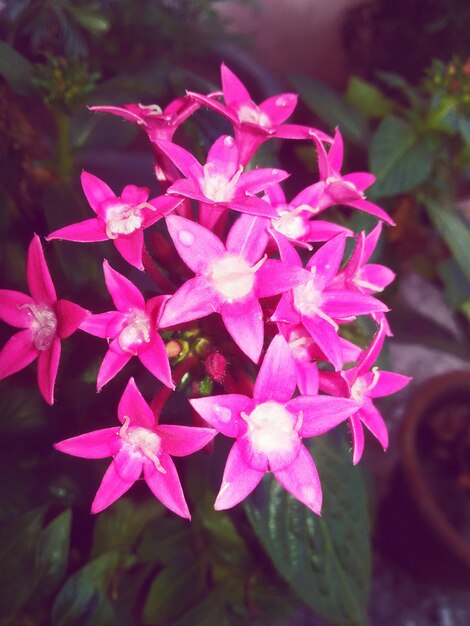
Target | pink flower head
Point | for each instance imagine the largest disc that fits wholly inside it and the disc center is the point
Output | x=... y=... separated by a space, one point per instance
x=139 y=445
x=229 y=279
x=269 y=429
x=362 y=384
x=221 y=183
x=253 y=124
x=119 y=218
x=45 y=321
x=132 y=330
x=317 y=304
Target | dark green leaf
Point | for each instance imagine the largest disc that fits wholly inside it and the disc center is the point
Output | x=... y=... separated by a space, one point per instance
x=15 y=69
x=332 y=109
x=398 y=158
x=395 y=81
x=367 y=98
x=325 y=560
x=165 y=541
x=53 y=554
x=209 y=612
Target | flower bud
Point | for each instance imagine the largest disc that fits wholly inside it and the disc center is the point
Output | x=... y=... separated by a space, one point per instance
x=216 y=365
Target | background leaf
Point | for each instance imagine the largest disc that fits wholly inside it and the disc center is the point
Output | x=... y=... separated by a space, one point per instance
x=15 y=69
x=52 y=554
x=367 y=98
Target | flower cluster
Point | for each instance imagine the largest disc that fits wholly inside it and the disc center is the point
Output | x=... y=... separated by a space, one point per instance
x=239 y=250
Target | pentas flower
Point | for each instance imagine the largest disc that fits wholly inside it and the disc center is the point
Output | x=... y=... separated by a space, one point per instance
x=221 y=183
x=132 y=330
x=119 y=218
x=362 y=384
x=139 y=445
x=45 y=321
x=269 y=428
x=229 y=279
x=317 y=304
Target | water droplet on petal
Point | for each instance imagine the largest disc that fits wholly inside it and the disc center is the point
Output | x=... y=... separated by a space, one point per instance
x=274 y=172
x=228 y=142
x=281 y=102
x=223 y=413
x=186 y=237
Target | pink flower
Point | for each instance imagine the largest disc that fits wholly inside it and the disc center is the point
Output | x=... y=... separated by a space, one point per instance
x=229 y=279
x=362 y=384
x=119 y=218
x=139 y=445
x=45 y=320
x=269 y=429
x=132 y=330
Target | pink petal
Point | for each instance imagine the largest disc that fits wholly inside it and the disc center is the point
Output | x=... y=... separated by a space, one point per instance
x=276 y=379
x=307 y=378
x=163 y=206
x=184 y=440
x=119 y=478
x=222 y=158
x=321 y=413
x=96 y=191
x=222 y=412
x=373 y=209
x=133 y=406
x=196 y=245
x=48 y=365
x=375 y=277
x=130 y=248
x=279 y=108
x=275 y=277
x=133 y=195
x=388 y=383
x=276 y=195
x=248 y=238
x=372 y=419
x=254 y=181
x=299 y=131
x=95 y=445
x=69 y=316
x=15 y=308
x=344 y=304
x=104 y=325
x=360 y=180
x=371 y=241
x=154 y=357
x=309 y=196
x=326 y=337
x=285 y=312
x=125 y=294
x=18 y=352
x=238 y=481
x=114 y=360
x=335 y=153
x=127 y=114
x=326 y=261
x=235 y=91
x=334 y=384
x=371 y=354
x=324 y=165
x=301 y=479
x=89 y=230
x=184 y=160
x=252 y=205
x=286 y=249
x=38 y=276
x=215 y=105
x=244 y=322
x=166 y=487
x=320 y=230
x=194 y=299
x=357 y=433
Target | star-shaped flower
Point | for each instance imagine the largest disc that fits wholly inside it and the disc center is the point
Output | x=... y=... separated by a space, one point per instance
x=132 y=330
x=269 y=429
x=119 y=218
x=45 y=321
x=139 y=445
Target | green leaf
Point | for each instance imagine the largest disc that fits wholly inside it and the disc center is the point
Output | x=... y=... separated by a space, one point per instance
x=15 y=69
x=332 y=109
x=367 y=98
x=395 y=81
x=325 y=560
x=52 y=554
x=453 y=229
x=165 y=540
x=209 y=612
x=398 y=157
x=84 y=599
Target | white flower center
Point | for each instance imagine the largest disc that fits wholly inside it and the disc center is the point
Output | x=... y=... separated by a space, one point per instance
x=142 y=442
x=216 y=186
x=122 y=219
x=272 y=429
x=307 y=298
x=290 y=224
x=136 y=332
x=253 y=114
x=233 y=277
x=360 y=386
x=43 y=324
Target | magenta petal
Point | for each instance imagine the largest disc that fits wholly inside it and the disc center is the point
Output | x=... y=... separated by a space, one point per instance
x=275 y=277
x=38 y=276
x=326 y=261
x=238 y=481
x=119 y=478
x=222 y=412
x=133 y=406
x=196 y=245
x=357 y=433
x=223 y=157
x=244 y=322
x=307 y=378
x=320 y=230
x=95 y=445
x=96 y=190
x=125 y=294
x=15 y=308
x=18 y=352
x=235 y=91
x=371 y=241
x=133 y=195
x=360 y=180
x=335 y=153
x=248 y=237
x=69 y=316
x=193 y=300
x=48 y=365
x=184 y=440
x=326 y=337
x=301 y=480
x=279 y=108
x=344 y=304
x=184 y=160
x=372 y=419
x=254 y=181
x=388 y=383
x=276 y=379
x=166 y=487
x=285 y=312
x=373 y=209
x=374 y=277
x=252 y=205
x=115 y=359
x=155 y=358
x=104 y=325
x=164 y=205
x=215 y=105
x=89 y=230
x=130 y=248
x=320 y=413
x=371 y=354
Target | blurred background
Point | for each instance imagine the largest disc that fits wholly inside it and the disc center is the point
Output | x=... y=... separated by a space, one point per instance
x=395 y=78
